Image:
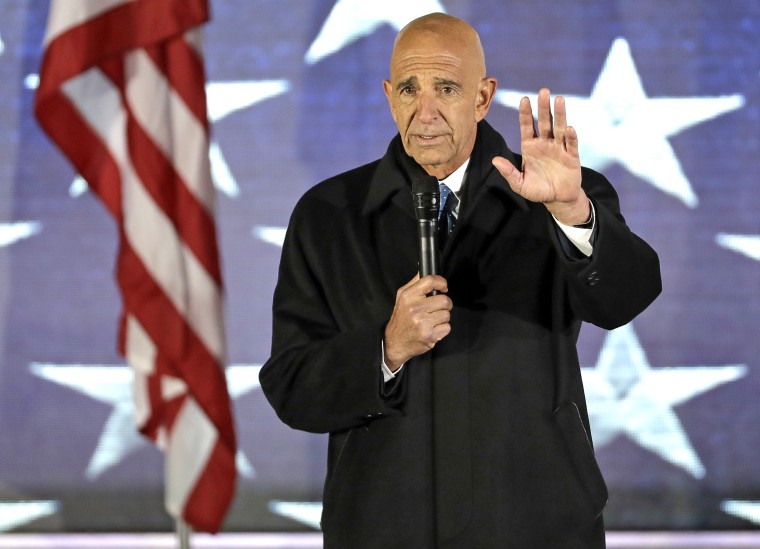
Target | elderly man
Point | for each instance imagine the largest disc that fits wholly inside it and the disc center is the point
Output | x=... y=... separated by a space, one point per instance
x=454 y=402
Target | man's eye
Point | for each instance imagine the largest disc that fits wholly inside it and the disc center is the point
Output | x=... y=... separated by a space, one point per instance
x=407 y=90
x=447 y=90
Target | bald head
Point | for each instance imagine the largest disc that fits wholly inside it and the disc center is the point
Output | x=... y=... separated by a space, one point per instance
x=438 y=91
x=446 y=32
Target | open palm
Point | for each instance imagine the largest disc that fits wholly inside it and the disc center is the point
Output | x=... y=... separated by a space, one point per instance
x=551 y=170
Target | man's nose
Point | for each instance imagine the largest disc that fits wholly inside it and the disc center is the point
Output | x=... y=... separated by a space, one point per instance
x=427 y=108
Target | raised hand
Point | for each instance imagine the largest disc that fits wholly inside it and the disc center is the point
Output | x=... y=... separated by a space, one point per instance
x=551 y=168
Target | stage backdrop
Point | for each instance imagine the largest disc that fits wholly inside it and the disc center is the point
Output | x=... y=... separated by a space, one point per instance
x=666 y=99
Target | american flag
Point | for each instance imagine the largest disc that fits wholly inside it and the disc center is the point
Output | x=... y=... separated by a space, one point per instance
x=122 y=94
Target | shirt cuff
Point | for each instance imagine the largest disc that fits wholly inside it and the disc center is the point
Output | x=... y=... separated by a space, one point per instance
x=580 y=236
x=387 y=374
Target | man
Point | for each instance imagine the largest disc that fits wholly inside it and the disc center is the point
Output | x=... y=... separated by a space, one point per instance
x=456 y=420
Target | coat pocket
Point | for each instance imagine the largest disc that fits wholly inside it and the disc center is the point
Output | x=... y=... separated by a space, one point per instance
x=579 y=447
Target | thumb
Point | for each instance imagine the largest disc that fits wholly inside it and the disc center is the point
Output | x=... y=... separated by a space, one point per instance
x=509 y=172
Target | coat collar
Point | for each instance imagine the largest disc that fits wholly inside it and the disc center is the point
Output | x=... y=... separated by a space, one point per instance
x=389 y=181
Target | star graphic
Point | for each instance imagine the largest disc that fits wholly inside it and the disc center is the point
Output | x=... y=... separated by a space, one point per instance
x=747 y=510
x=619 y=123
x=350 y=20
x=305 y=512
x=18 y=513
x=13 y=232
x=626 y=396
x=2 y=45
x=223 y=99
x=112 y=385
x=271 y=235
x=744 y=244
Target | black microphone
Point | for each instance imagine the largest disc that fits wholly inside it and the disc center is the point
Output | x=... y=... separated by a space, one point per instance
x=426 y=196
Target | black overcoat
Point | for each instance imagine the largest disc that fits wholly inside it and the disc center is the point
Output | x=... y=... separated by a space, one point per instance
x=484 y=441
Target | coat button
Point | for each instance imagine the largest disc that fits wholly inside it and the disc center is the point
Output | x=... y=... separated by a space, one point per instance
x=593 y=278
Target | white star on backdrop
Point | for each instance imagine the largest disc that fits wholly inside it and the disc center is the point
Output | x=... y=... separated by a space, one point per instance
x=747 y=510
x=13 y=232
x=18 y=513
x=748 y=245
x=305 y=512
x=626 y=396
x=350 y=20
x=271 y=235
x=2 y=45
x=223 y=99
x=112 y=385
x=619 y=123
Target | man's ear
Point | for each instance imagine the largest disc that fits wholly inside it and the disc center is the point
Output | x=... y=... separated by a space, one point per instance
x=388 y=90
x=486 y=93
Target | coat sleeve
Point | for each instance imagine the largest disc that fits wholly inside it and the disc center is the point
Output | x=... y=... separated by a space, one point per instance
x=324 y=373
x=622 y=276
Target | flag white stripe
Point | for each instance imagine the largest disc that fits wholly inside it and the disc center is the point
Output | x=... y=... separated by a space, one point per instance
x=140 y=352
x=181 y=140
x=150 y=233
x=191 y=440
x=70 y=13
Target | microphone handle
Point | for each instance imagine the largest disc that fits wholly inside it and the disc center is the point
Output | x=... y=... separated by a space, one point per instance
x=427 y=230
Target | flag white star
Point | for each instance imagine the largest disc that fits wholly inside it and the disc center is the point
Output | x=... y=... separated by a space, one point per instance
x=626 y=396
x=350 y=20
x=18 y=513
x=13 y=232
x=747 y=510
x=619 y=123
x=305 y=512
x=748 y=245
x=2 y=45
x=112 y=385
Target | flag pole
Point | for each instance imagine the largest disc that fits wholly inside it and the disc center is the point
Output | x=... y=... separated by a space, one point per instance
x=183 y=533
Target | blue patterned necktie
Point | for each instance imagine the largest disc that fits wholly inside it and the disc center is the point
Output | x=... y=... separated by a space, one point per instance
x=447 y=213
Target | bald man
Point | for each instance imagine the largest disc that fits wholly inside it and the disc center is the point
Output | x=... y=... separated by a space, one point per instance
x=457 y=418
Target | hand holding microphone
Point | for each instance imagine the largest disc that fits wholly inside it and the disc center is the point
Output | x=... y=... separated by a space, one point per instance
x=421 y=314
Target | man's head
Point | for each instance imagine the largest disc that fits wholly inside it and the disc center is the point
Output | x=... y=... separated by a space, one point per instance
x=438 y=91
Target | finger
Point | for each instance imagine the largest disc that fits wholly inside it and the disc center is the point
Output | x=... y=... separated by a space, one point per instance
x=560 y=119
x=571 y=141
x=509 y=172
x=439 y=317
x=441 y=331
x=428 y=283
x=527 y=129
x=544 y=114
x=406 y=286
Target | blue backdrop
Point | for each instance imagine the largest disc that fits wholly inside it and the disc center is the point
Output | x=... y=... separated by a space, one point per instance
x=666 y=100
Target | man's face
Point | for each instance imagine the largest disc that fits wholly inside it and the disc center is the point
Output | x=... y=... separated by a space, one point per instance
x=437 y=95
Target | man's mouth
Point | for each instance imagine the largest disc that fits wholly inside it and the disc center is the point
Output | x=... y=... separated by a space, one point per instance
x=424 y=137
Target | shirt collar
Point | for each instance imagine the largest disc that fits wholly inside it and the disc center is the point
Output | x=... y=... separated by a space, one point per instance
x=455 y=180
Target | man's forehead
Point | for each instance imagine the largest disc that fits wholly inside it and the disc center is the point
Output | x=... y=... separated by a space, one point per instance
x=418 y=62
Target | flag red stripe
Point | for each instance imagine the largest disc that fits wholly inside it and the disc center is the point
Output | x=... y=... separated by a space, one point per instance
x=190 y=218
x=61 y=120
x=189 y=359
x=110 y=34
x=212 y=488
x=183 y=72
